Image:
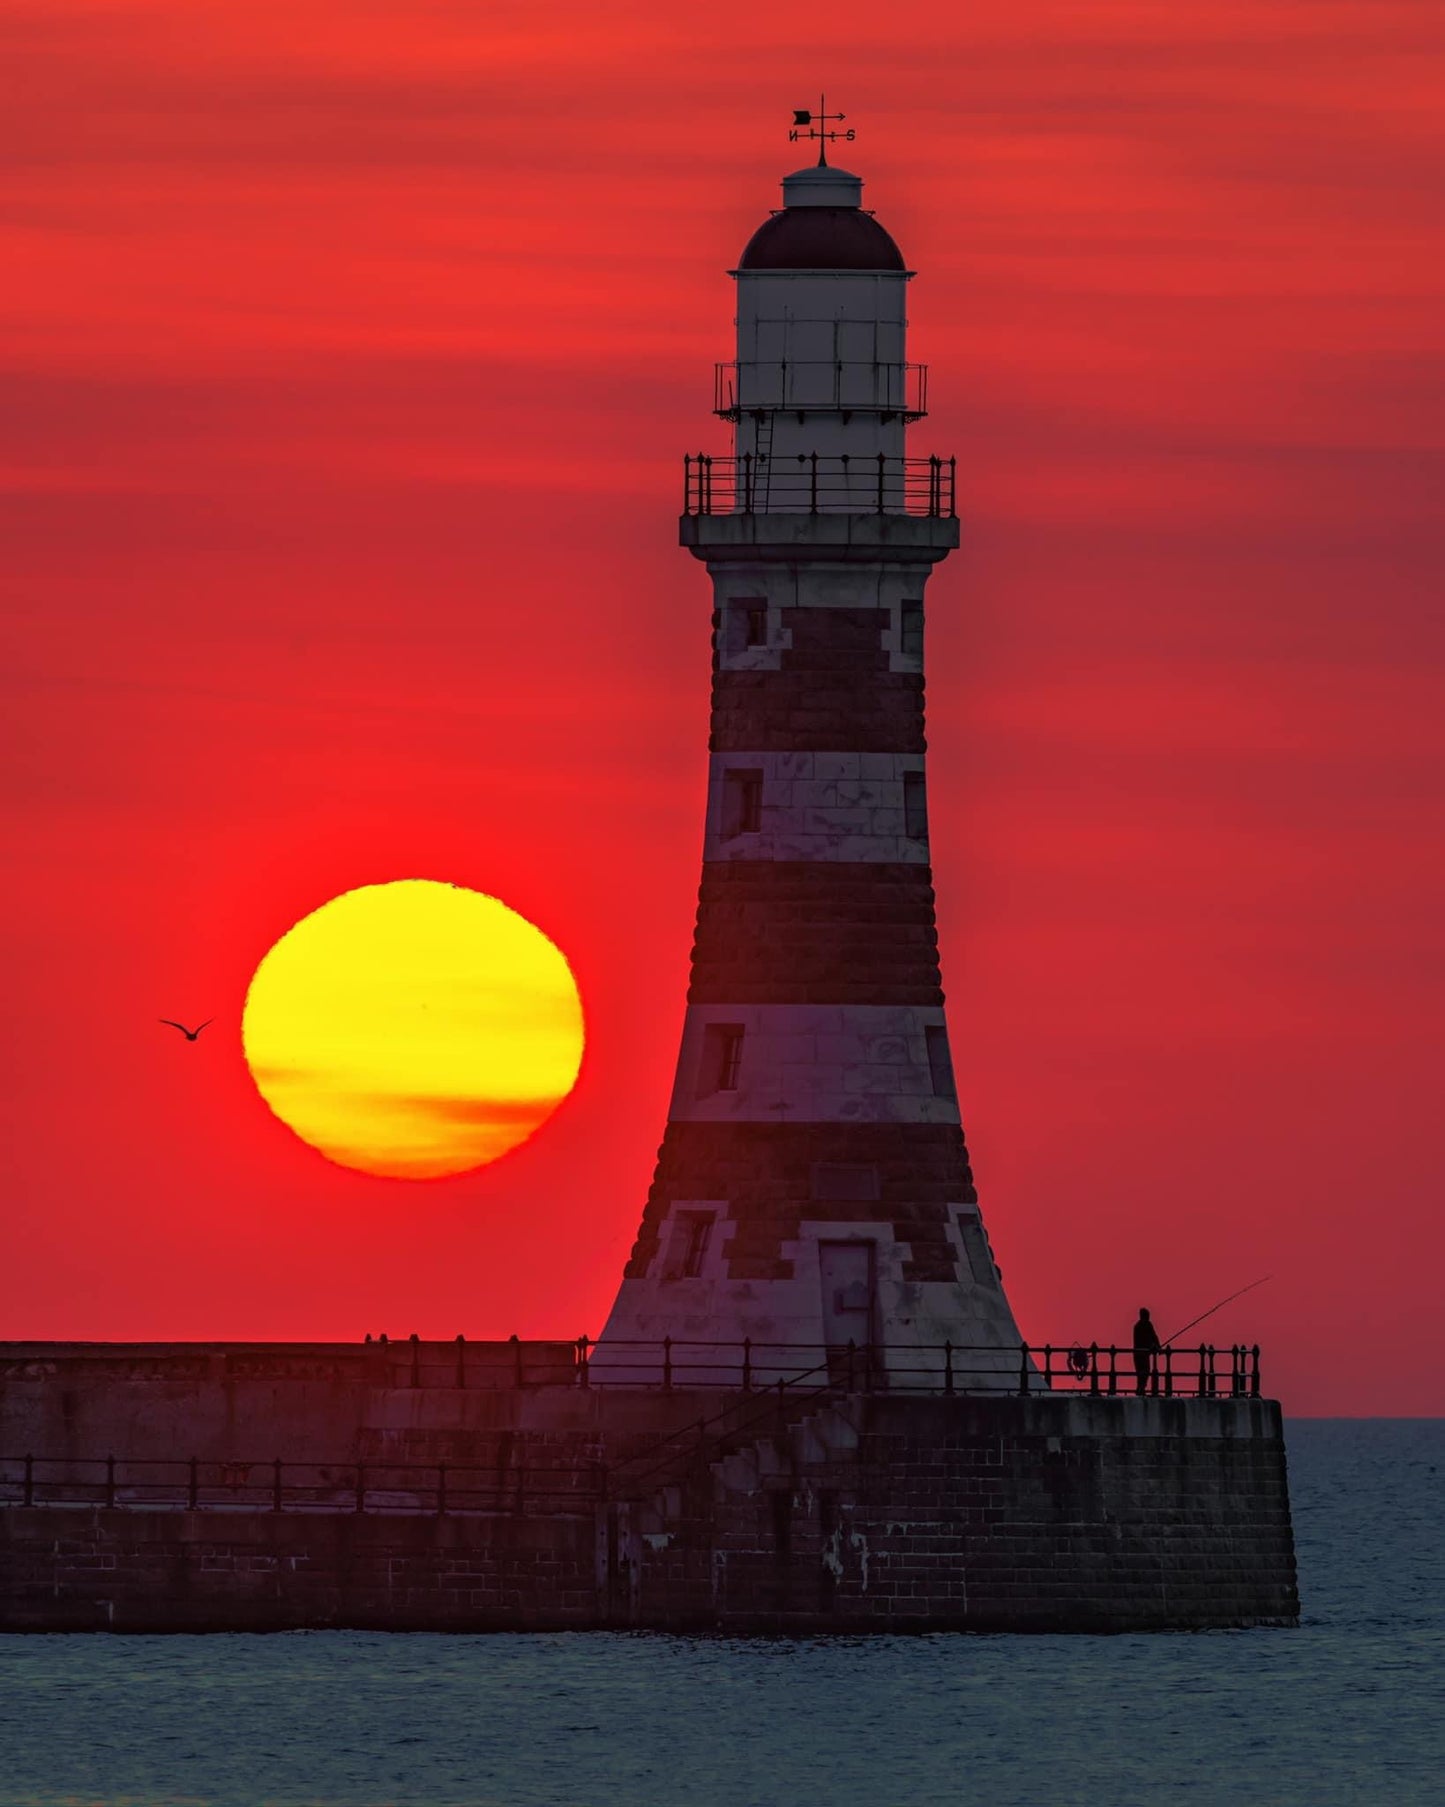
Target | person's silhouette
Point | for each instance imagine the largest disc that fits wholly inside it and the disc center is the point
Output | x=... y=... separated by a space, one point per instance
x=1146 y=1347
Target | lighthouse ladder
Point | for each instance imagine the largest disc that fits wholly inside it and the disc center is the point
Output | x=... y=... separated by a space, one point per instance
x=762 y=461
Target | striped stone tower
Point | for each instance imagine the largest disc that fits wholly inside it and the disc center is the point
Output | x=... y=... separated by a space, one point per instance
x=813 y=1188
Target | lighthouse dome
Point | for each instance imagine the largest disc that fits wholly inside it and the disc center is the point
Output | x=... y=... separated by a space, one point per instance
x=822 y=226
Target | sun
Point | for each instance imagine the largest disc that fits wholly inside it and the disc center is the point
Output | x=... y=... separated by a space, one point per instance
x=413 y=1029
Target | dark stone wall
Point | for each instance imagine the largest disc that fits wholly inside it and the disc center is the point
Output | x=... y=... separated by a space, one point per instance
x=98 y=1570
x=815 y=932
x=850 y=1513
x=764 y=1171
x=1003 y=1515
x=833 y=690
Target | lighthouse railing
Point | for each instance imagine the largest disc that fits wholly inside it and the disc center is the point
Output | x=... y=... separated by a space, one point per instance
x=808 y=483
x=857 y=386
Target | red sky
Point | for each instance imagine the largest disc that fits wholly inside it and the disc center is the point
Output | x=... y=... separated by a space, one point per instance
x=348 y=352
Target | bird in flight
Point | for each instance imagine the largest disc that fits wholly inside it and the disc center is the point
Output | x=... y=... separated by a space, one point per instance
x=190 y=1034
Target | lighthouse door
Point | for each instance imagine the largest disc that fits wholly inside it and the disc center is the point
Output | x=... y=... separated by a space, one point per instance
x=847 y=1273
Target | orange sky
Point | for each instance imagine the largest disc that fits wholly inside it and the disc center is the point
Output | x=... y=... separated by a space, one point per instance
x=349 y=349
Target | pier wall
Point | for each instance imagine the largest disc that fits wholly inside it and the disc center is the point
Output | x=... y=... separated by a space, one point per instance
x=840 y=1512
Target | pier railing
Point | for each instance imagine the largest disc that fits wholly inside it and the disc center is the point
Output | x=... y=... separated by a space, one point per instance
x=1198 y=1371
x=810 y=484
x=1201 y=1370
x=195 y=1484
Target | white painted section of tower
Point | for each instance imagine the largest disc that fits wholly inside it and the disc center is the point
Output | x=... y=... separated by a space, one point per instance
x=817 y=806
x=817 y=1063
x=708 y=1314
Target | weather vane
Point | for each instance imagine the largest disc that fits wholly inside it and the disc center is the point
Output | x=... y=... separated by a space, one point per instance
x=818 y=128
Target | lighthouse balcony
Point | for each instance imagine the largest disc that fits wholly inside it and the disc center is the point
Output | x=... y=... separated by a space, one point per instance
x=811 y=484
x=832 y=385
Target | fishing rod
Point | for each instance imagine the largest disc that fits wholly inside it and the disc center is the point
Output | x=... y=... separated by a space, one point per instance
x=1219 y=1307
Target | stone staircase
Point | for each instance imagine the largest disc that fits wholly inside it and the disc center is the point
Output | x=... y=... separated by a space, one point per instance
x=739 y=1524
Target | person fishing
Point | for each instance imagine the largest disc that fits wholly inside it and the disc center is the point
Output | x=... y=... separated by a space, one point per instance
x=1146 y=1347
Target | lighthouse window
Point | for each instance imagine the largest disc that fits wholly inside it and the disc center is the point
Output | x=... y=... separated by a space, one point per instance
x=747 y=623
x=742 y=802
x=722 y=1056
x=694 y=1229
x=915 y=808
x=940 y=1062
x=843 y=1181
x=910 y=637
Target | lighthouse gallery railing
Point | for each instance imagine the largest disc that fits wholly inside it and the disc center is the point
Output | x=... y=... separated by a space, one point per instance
x=808 y=483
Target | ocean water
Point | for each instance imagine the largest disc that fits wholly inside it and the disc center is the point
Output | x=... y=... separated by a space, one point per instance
x=1348 y=1708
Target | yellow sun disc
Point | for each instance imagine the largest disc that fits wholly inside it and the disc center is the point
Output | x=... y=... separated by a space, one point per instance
x=413 y=1029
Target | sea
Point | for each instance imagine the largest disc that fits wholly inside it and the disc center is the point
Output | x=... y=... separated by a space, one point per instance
x=1350 y=1707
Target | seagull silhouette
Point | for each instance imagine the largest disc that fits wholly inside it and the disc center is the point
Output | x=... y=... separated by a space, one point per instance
x=190 y=1034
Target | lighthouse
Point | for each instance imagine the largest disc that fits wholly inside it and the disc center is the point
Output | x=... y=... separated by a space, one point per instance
x=813 y=1200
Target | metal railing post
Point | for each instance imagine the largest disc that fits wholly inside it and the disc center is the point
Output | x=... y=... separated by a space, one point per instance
x=882 y=467
x=747 y=1364
x=1093 y=1368
x=1213 y=1381
x=948 y=1367
x=667 y=1364
x=813 y=507
x=747 y=483
x=415 y=1359
x=1254 y=1372
x=952 y=487
x=461 y=1361
x=1048 y=1368
x=1113 y=1370
x=584 y=1378
x=1023 y=1367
